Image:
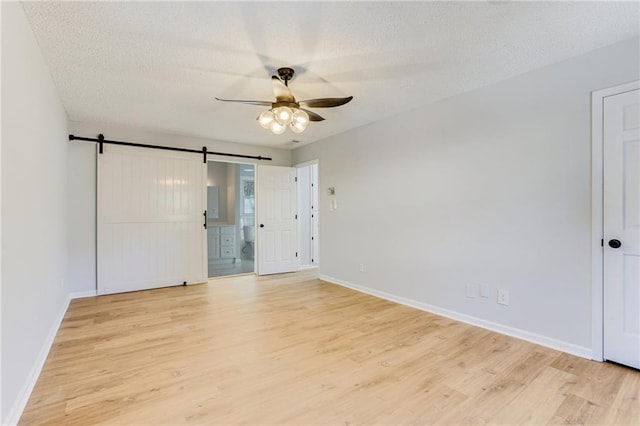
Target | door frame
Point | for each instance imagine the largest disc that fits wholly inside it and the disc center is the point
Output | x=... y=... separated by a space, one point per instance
x=597 y=213
x=220 y=159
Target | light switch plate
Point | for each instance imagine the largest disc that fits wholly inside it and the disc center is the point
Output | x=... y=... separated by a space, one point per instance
x=503 y=297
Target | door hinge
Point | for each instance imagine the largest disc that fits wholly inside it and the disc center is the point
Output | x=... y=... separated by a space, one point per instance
x=296 y=178
x=602 y=242
x=296 y=217
x=205 y=219
x=296 y=254
x=312 y=238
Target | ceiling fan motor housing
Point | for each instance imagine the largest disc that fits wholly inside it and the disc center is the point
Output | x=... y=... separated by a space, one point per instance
x=286 y=74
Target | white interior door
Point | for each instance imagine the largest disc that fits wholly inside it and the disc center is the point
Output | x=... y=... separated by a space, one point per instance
x=150 y=221
x=304 y=215
x=315 y=211
x=622 y=228
x=276 y=214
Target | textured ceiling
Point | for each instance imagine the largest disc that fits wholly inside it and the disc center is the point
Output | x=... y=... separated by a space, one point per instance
x=159 y=65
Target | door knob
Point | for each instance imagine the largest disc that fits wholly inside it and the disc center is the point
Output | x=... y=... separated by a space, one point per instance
x=262 y=225
x=615 y=243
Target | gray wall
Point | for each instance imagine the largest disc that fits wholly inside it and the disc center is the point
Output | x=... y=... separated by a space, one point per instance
x=82 y=188
x=488 y=187
x=34 y=185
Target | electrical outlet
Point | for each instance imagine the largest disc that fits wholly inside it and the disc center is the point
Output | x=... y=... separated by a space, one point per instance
x=362 y=267
x=484 y=291
x=472 y=290
x=503 y=297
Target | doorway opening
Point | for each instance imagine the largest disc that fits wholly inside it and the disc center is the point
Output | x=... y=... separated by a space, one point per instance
x=230 y=218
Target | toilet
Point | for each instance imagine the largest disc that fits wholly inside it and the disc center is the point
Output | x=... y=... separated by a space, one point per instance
x=249 y=235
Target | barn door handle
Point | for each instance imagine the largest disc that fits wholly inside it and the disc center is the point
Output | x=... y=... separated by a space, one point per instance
x=615 y=244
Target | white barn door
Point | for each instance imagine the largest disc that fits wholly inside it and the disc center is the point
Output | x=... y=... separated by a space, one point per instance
x=622 y=228
x=150 y=222
x=276 y=214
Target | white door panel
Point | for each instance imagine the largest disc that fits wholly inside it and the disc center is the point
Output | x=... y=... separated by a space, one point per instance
x=304 y=215
x=150 y=219
x=622 y=223
x=276 y=210
x=315 y=246
x=315 y=211
x=308 y=215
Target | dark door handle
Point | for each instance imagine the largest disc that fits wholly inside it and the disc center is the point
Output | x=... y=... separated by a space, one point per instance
x=262 y=225
x=615 y=243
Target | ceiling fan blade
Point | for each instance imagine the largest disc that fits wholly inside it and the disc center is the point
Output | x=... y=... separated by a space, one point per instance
x=281 y=91
x=261 y=103
x=325 y=102
x=313 y=116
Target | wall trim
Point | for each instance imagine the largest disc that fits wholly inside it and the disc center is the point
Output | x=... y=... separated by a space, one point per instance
x=307 y=163
x=82 y=294
x=597 y=213
x=25 y=392
x=538 y=339
x=27 y=388
x=307 y=267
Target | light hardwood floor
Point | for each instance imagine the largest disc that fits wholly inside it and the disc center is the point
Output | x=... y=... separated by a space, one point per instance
x=291 y=349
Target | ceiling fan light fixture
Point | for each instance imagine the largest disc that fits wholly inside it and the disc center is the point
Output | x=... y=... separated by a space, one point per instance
x=297 y=127
x=283 y=115
x=300 y=117
x=285 y=111
x=266 y=118
x=278 y=128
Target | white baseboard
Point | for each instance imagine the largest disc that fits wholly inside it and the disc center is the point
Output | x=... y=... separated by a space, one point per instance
x=307 y=267
x=82 y=294
x=25 y=392
x=538 y=339
x=23 y=397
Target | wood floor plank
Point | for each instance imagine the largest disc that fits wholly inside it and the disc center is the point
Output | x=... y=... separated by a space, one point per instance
x=576 y=410
x=539 y=401
x=291 y=349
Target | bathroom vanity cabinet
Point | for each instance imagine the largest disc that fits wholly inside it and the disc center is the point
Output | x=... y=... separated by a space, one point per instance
x=221 y=242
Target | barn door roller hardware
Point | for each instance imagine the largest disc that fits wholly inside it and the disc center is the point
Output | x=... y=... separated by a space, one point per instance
x=101 y=141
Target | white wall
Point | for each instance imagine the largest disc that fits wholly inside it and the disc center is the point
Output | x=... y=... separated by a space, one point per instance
x=82 y=192
x=488 y=187
x=81 y=218
x=34 y=182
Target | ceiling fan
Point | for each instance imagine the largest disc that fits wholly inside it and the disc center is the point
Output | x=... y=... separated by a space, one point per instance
x=286 y=111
